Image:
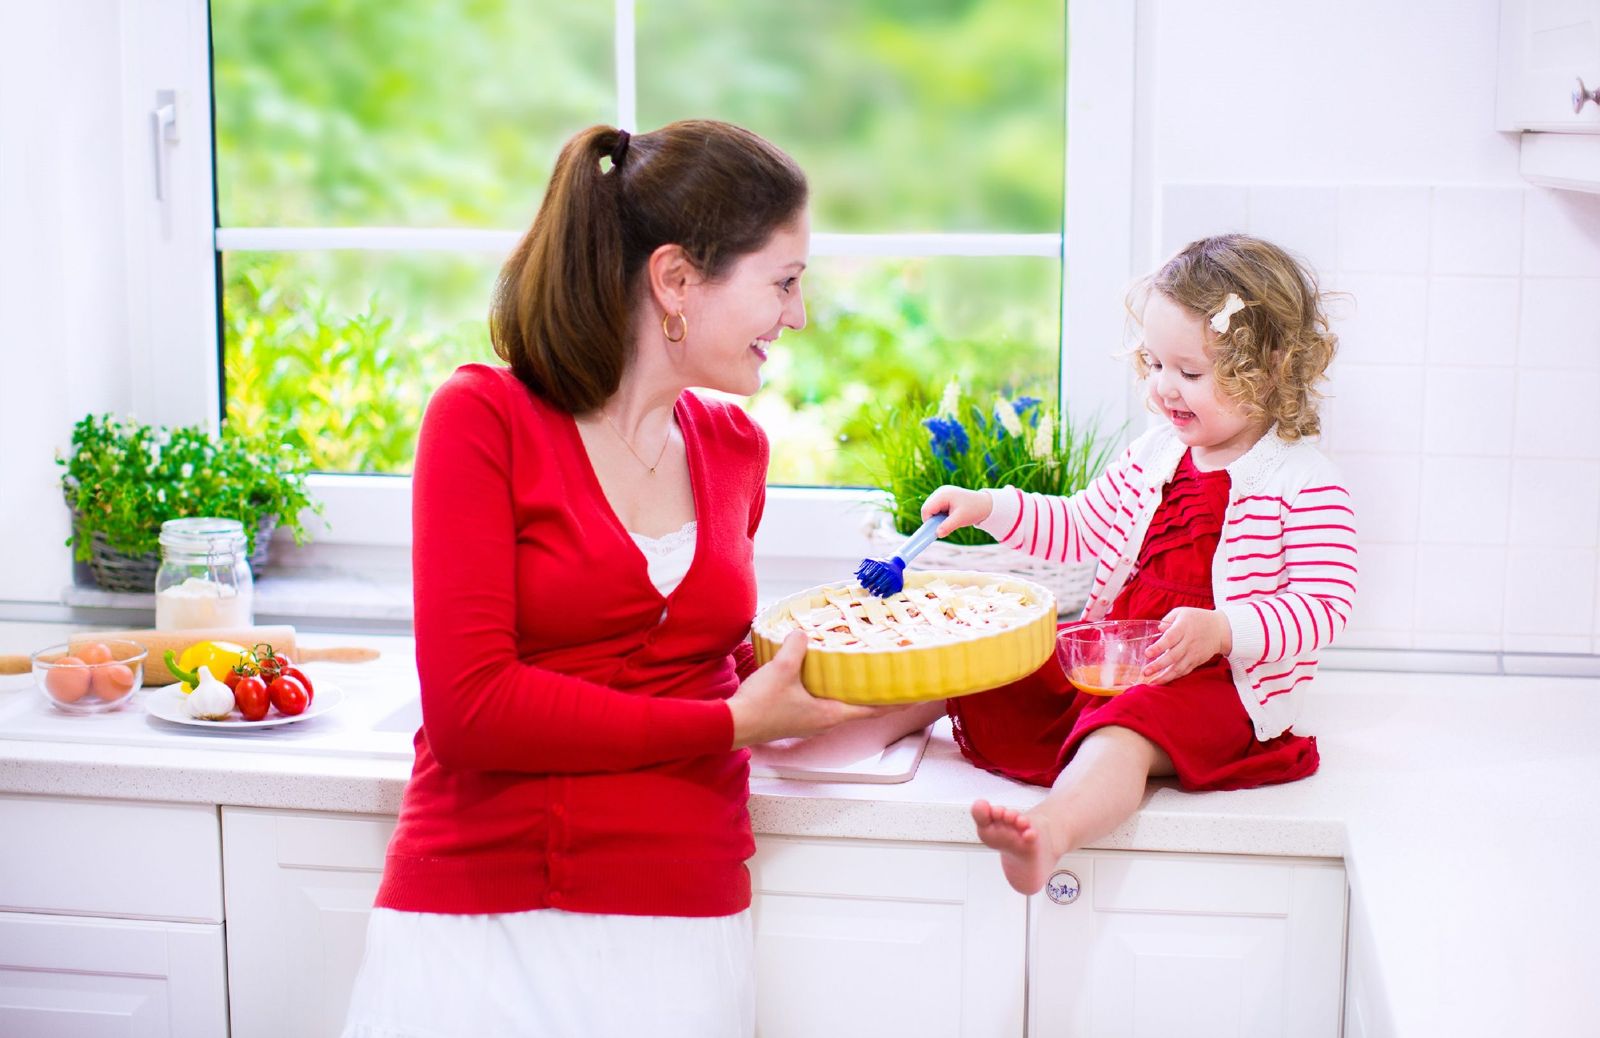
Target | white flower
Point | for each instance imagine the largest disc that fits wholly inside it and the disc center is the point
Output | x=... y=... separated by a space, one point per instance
x=950 y=403
x=1230 y=306
x=1044 y=440
x=1007 y=415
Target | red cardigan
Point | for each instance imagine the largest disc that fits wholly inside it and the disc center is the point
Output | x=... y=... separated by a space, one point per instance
x=574 y=752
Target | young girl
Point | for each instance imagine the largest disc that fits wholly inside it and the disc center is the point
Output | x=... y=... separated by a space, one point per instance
x=1223 y=522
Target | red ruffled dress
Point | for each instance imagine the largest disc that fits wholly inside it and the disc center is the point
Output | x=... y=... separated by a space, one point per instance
x=1029 y=729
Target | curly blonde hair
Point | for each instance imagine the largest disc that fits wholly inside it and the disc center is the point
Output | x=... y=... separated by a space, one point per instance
x=1276 y=349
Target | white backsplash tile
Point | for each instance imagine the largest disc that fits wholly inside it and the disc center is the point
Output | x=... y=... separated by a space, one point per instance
x=1558 y=413
x=1561 y=234
x=1304 y=220
x=1464 y=500
x=1467 y=411
x=1192 y=211
x=1476 y=230
x=1551 y=591
x=1383 y=319
x=1460 y=593
x=1375 y=409
x=1387 y=489
x=1560 y=323
x=1555 y=503
x=1384 y=229
x=1472 y=321
x=1463 y=408
x=1386 y=601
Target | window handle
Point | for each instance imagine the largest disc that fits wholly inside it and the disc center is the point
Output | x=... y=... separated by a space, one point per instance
x=163 y=131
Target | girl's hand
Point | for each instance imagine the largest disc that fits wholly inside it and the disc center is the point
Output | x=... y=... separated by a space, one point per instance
x=1189 y=638
x=966 y=508
x=773 y=704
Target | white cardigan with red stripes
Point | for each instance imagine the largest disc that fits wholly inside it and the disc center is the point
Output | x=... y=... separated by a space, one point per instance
x=1284 y=573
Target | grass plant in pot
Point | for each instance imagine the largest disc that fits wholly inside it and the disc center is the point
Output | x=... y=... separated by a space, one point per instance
x=124 y=479
x=959 y=440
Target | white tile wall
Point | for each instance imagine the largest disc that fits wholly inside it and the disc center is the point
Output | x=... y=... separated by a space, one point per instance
x=1464 y=406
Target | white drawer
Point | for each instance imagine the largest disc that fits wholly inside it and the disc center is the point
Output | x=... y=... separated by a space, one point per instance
x=111 y=858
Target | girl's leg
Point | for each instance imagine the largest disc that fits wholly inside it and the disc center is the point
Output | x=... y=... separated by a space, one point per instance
x=1100 y=788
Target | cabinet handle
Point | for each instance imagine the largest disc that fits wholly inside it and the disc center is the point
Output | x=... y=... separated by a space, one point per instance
x=1583 y=95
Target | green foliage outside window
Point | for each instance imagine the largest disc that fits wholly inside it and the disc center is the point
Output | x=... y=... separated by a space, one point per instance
x=933 y=115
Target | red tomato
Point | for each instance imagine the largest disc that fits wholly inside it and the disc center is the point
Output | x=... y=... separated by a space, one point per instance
x=288 y=695
x=299 y=675
x=250 y=696
x=273 y=665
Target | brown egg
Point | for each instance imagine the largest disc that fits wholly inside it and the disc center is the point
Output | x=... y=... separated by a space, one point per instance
x=111 y=681
x=68 y=680
x=95 y=652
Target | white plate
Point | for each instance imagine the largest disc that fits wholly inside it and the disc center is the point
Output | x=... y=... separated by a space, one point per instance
x=168 y=704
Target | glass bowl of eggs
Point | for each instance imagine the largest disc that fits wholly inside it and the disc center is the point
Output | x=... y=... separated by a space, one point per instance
x=1106 y=658
x=89 y=677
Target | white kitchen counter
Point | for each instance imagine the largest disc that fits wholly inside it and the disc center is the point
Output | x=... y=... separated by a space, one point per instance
x=1465 y=808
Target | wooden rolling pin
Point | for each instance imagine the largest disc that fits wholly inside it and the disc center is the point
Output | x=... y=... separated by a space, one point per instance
x=281 y=638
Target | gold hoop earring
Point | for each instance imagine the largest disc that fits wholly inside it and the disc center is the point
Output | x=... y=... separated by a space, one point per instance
x=683 y=330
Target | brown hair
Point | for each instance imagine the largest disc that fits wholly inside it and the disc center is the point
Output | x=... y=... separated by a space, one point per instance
x=1277 y=348
x=560 y=313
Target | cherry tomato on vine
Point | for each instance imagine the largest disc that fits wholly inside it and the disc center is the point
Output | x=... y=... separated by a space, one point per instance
x=271 y=663
x=250 y=696
x=299 y=675
x=288 y=695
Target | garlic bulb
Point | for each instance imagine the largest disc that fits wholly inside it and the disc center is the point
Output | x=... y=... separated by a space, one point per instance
x=211 y=700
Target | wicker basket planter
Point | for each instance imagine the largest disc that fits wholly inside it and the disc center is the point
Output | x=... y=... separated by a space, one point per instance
x=1069 y=582
x=115 y=571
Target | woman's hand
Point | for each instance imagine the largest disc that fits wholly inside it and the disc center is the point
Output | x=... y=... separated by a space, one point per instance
x=773 y=704
x=1190 y=637
x=966 y=508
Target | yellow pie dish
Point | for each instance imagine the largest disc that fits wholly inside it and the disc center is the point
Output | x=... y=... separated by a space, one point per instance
x=894 y=668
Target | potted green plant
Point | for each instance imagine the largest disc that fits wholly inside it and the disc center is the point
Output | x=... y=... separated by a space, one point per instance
x=124 y=479
x=963 y=441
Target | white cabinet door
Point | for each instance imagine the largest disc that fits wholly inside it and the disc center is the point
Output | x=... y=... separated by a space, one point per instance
x=857 y=937
x=67 y=977
x=1546 y=46
x=110 y=858
x=1140 y=945
x=299 y=889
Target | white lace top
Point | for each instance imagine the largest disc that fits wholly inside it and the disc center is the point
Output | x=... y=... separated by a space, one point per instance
x=668 y=557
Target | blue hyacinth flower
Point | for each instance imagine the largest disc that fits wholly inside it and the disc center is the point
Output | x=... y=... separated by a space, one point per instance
x=949 y=439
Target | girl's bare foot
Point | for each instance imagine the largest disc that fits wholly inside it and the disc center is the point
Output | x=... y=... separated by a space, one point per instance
x=1027 y=853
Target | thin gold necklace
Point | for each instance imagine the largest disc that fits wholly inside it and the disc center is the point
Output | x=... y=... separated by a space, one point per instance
x=665 y=443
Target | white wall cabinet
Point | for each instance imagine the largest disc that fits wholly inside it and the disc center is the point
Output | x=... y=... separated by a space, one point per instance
x=1140 y=945
x=1550 y=61
x=111 y=920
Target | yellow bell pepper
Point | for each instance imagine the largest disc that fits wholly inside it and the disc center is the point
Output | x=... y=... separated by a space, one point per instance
x=217 y=657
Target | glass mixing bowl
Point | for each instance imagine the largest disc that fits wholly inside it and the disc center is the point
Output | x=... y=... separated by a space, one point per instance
x=1106 y=658
x=88 y=676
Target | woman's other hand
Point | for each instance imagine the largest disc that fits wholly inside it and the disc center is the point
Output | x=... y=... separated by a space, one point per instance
x=1190 y=638
x=966 y=507
x=773 y=704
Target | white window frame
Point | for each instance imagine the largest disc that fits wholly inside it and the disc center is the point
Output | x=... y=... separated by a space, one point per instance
x=174 y=244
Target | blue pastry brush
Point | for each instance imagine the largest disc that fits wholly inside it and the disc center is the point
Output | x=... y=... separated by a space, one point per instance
x=885 y=577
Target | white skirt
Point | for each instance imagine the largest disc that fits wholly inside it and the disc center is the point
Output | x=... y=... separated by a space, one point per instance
x=554 y=974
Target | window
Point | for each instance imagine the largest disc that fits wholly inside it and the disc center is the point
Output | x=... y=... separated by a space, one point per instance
x=375 y=159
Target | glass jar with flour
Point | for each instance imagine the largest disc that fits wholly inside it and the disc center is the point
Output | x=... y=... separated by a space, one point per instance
x=204 y=580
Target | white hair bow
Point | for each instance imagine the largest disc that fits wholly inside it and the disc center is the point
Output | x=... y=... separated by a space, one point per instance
x=1230 y=306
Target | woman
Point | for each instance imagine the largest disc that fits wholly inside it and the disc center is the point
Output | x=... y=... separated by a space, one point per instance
x=570 y=853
